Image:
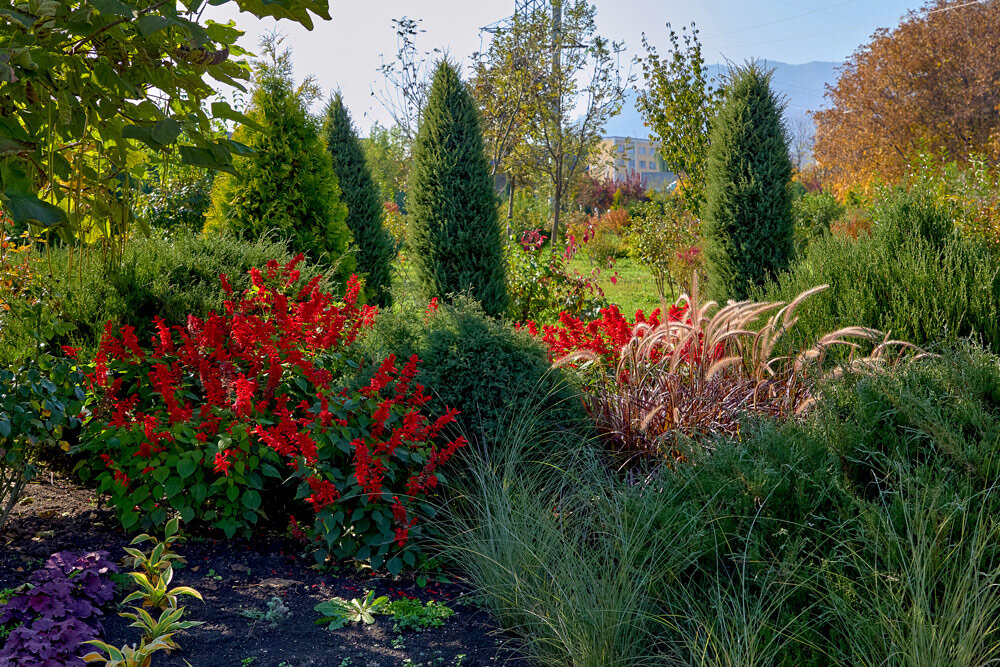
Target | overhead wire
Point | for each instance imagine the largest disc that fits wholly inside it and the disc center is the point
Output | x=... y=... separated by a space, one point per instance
x=781 y=20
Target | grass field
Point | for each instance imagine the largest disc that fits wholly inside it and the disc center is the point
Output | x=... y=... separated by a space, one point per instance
x=632 y=289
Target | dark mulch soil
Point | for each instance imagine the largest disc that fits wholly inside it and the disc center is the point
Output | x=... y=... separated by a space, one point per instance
x=239 y=576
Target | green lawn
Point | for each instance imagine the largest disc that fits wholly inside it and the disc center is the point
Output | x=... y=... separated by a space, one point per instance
x=633 y=288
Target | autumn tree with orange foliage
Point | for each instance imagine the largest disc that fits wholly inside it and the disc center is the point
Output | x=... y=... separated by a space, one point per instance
x=932 y=84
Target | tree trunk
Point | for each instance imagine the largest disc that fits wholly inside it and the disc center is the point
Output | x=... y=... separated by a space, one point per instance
x=555 y=213
x=510 y=201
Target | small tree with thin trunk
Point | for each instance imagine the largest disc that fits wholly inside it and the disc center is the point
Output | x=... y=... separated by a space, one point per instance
x=364 y=205
x=454 y=231
x=748 y=226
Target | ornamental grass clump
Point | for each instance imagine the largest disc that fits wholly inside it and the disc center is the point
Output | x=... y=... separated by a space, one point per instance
x=214 y=418
x=704 y=368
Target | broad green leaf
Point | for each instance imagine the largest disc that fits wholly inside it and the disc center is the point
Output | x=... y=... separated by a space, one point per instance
x=173 y=486
x=113 y=7
x=223 y=110
x=29 y=208
x=199 y=157
x=186 y=468
x=151 y=23
x=198 y=493
x=251 y=499
x=166 y=131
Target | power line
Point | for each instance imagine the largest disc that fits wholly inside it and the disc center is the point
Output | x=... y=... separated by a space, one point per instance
x=948 y=9
x=790 y=39
x=787 y=18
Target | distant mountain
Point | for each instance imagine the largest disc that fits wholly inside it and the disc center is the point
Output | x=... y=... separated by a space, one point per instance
x=801 y=85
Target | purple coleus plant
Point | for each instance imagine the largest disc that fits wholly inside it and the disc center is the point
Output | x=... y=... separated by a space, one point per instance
x=58 y=610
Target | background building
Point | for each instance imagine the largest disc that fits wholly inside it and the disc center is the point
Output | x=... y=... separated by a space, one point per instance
x=617 y=157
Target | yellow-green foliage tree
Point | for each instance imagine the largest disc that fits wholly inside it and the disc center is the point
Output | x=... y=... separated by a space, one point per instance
x=84 y=82
x=930 y=84
x=287 y=186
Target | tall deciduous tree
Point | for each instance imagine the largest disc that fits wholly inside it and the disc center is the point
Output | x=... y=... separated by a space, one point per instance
x=929 y=84
x=375 y=248
x=678 y=104
x=748 y=226
x=454 y=233
x=505 y=79
x=82 y=81
x=406 y=79
x=580 y=89
x=386 y=154
x=287 y=185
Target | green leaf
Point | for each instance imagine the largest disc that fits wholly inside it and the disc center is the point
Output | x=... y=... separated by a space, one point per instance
x=186 y=468
x=113 y=7
x=29 y=208
x=166 y=131
x=143 y=134
x=151 y=23
x=24 y=19
x=232 y=493
x=199 y=157
x=198 y=493
x=251 y=499
x=223 y=110
x=161 y=474
x=129 y=519
x=173 y=486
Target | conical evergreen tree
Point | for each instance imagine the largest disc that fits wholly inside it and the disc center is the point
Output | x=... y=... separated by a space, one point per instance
x=454 y=230
x=359 y=191
x=287 y=186
x=748 y=226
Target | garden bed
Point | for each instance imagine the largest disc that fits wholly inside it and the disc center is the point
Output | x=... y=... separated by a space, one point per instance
x=241 y=576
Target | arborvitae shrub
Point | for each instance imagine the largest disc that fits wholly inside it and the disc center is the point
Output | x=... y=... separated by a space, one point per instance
x=360 y=193
x=287 y=187
x=748 y=226
x=454 y=233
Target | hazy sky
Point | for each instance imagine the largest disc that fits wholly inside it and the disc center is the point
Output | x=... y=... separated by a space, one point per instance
x=345 y=52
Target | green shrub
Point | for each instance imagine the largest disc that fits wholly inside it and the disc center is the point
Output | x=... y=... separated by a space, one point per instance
x=165 y=275
x=481 y=366
x=38 y=401
x=939 y=414
x=454 y=238
x=748 y=226
x=376 y=248
x=287 y=186
x=913 y=276
x=813 y=213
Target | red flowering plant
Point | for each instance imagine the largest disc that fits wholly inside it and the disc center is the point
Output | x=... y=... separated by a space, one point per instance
x=655 y=385
x=211 y=419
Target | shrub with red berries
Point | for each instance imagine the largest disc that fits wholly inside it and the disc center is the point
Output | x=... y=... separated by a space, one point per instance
x=213 y=419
